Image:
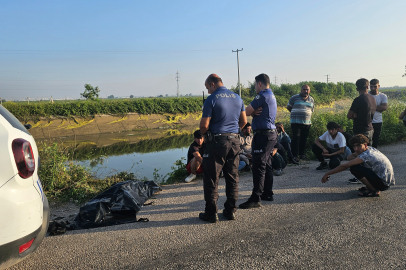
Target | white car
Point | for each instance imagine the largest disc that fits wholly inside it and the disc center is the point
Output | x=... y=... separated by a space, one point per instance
x=24 y=209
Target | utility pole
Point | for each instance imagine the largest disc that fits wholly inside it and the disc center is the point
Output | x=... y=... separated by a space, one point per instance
x=238 y=65
x=275 y=79
x=177 y=80
x=327 y=77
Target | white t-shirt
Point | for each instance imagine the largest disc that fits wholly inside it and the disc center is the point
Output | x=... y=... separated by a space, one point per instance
x=334 y=144
x=380 y=99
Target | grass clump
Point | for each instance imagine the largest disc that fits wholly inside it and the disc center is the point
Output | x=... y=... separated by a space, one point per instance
x=63 y=180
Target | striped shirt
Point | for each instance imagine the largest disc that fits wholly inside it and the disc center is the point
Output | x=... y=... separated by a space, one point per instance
x=302 y=109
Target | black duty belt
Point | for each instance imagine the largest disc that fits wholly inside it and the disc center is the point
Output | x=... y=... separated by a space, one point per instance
x=225 y=134
x=264 y=131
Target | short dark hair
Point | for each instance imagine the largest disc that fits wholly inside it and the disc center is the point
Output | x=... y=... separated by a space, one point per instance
x=359 y=139
x=374 y=81
x=332 y=125
x=304 y=86
x=362 y=84
x=213 y=78
x=263 y=78
x=247 y=125
x=197 y=134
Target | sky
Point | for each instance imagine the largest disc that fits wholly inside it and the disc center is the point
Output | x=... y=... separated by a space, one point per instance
x=53 y=48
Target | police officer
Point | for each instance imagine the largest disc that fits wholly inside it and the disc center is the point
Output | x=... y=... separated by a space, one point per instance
x=263 y=111
x=223 y=114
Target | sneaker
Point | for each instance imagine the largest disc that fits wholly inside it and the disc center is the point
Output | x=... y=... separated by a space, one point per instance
x=248 y=205
x=278 y=172
x=228 y=215
x=210 y=218
x=322 y=166
x=190 y=178
x=354 y=181
x=295 y=161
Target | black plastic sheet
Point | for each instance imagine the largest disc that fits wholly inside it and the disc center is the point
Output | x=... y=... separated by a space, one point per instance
x=117 y=205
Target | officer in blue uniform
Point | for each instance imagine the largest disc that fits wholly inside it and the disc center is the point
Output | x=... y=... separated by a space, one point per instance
x=223 y=115
x=263 y=110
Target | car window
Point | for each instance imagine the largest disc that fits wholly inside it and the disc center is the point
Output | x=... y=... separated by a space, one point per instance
x=12 y=119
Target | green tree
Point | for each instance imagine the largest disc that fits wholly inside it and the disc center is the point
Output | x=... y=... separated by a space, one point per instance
x=90 y=93
x=132 y=96
x=111 y=96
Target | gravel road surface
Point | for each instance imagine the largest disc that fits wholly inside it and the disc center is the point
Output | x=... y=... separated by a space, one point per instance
x=310 y=225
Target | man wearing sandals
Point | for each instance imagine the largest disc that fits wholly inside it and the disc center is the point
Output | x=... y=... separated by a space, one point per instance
x=369 y=165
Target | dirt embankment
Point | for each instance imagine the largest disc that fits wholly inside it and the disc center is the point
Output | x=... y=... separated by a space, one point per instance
x=62 y=126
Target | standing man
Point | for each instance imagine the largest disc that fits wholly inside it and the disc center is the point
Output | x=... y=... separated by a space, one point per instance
x=362 y=111
x=223 y=115
x=381 y=106
x=263 y=111
x=301 y=107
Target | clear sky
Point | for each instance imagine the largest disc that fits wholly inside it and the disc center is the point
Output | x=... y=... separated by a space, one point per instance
x=136 y=47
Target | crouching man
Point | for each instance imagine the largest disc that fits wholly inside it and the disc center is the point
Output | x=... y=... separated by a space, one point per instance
x=336 y=145
x=194 y=156
x=369 y=166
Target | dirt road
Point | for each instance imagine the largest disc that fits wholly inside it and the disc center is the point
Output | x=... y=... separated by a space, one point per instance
x=310 y=225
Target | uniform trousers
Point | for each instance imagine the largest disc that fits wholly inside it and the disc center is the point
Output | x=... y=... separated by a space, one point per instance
x=222 y=154
x=262 y=147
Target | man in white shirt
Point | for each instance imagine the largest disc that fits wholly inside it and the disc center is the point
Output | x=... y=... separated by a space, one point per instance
x=335 y=149
x=381 y=106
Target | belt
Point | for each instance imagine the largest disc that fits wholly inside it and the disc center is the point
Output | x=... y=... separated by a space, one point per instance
x=264 y=131
x=225 y=134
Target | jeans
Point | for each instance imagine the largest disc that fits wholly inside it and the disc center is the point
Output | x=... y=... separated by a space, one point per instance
x=377 y=134
x=334 y=160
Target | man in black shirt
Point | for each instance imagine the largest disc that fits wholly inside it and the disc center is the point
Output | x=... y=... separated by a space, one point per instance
x=362 y=111
x=194 y=156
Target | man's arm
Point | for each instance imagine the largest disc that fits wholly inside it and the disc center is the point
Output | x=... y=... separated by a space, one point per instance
x=204 y=124
x=381 y=108
x=249 y=110
x=289 y=108
x=317 y=142
x=241 y=122
x=341 y=168
x=341 y=151
x=351 y=115
x=198 y=157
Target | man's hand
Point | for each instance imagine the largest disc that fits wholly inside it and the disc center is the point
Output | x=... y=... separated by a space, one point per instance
x=325 y=152
x=325 y=178
x=326 y=155
x=274 y=151
x=249 y=155
x=282 y=128
x=257 y=111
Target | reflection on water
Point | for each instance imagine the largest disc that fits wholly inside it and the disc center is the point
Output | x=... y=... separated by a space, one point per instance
x=141 y=164
x=112 y=153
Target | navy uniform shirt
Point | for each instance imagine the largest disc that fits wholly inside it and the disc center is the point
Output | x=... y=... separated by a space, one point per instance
x=224 y=107
x=266 y=120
